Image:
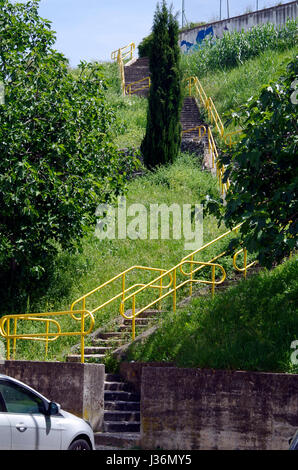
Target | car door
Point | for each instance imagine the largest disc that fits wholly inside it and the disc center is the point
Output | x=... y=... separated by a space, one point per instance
x=5 y=429
x=30 y=427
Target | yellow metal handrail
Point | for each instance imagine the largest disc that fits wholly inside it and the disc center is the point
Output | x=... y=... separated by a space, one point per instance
x=128 y=88
x=47 y=336
x=191 y=256
x=124 y=52
x=120 y=55
x=246 y=266
x=124 y=289
x=173 y=272
x=228 y=138
x=197 y=128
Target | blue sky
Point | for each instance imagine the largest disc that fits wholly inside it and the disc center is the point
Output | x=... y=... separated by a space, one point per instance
x=92 y=29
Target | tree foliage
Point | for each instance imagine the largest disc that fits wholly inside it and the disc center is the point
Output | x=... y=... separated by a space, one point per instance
x=57 y=162
x=163 y=133
x=263 y=172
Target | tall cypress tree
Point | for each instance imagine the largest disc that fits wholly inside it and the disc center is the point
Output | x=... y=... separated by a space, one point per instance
x=162 y=140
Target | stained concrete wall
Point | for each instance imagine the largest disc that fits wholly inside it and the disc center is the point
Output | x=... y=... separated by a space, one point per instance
x=206 y=409
x=277 y=15
x=78 y=388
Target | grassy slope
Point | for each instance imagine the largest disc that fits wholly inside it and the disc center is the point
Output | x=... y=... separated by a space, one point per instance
x=250 y=327
x=74 y=275
x=77 y=274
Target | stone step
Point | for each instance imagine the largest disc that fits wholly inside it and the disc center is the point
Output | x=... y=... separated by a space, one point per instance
x=121 y=427
x=119 y=440
x=139 y=321
x=77 y=357
x=121 y=396
x=96 y=350
x=107 y=342
x=128 y=416
x=113 y=378
x=118 y=386
x=122 y=405
x=109 y=335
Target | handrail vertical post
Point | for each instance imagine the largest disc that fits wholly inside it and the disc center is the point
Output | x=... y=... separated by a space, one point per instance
x=47 y=337
x=160 y=291
x=82 y=336
x=123 y=286
x=245 y=262
x=174 y=293
x=191 y=276
x=14 y=339
x=8 y=340
x=213 y=279
x=133 y=317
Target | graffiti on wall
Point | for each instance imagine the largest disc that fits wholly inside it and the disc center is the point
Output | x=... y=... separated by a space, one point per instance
x=186 y=46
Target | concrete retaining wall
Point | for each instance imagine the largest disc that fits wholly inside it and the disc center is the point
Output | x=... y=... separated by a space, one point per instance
x=78 y=388
x=205 y=409
x=277 y=15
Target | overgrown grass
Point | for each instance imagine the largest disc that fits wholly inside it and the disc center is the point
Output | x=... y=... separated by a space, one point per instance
x=76 y=274
x=234 y=48
x=250 y=327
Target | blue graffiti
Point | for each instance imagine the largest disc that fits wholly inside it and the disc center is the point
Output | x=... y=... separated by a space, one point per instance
x=188 y=45
x=202 y=34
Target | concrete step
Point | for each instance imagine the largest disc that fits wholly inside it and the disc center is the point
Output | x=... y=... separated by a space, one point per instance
x=97 y=350
x=106 y=343
x=77 y=357
x=128 y=416
x=109 y=335
x=113 y=378
x=119 y=440
x=122 y=405
x=121 y=396
x=121 y=427
x=118 y=386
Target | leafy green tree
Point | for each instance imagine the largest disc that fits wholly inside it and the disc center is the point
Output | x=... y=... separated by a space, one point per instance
x=57 y=161
x=162 y=141
x=263 y=172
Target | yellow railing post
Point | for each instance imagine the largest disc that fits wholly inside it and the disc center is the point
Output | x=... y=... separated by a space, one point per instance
x=123 y=286
x=174 y=290
x=47 y=337
x=14 y=339
x=213 y=280
x=191 y=275
x=133 y=317
x=160 y=290
x=8 y=340
x=245 y=262
x=82 y=337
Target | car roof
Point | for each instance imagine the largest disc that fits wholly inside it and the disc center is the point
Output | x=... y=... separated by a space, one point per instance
x=12 y=379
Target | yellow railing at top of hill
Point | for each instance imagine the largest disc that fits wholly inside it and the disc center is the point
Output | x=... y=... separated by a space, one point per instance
x=122 y=54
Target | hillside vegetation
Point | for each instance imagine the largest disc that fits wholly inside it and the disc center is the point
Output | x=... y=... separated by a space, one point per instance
x=250 y=327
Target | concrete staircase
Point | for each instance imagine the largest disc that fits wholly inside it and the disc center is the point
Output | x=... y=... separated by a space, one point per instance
x=121 y=427
x=106 y=342
x=135 y=71
x=190 y=118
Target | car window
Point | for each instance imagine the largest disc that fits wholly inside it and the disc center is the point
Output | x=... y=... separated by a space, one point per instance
x=20 y=400
x=2 y=404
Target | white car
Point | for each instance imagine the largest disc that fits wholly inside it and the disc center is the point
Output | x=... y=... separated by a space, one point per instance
x=30 y=421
